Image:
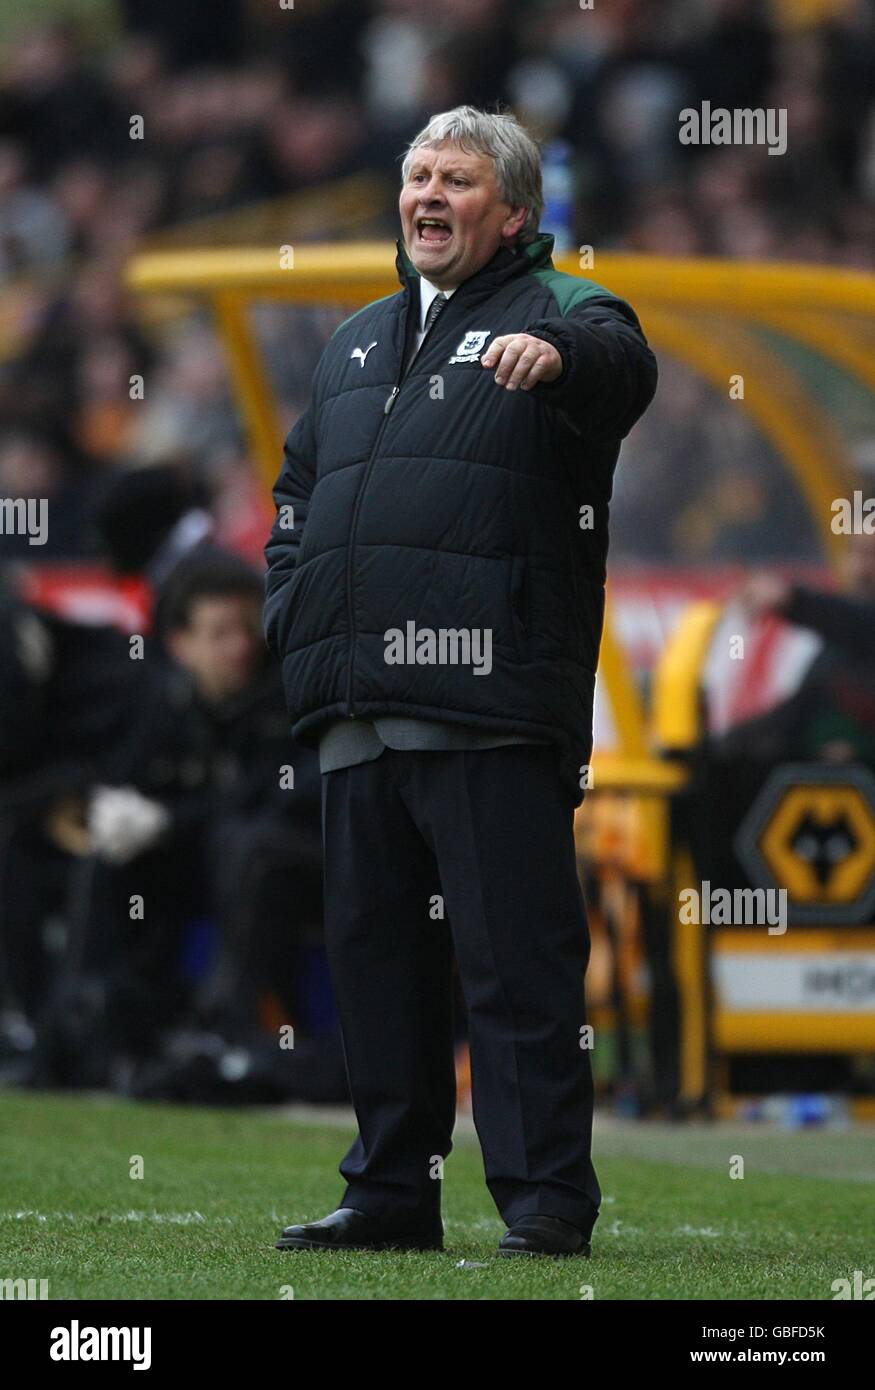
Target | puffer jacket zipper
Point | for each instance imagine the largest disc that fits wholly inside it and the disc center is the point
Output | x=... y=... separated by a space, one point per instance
x=390 y=401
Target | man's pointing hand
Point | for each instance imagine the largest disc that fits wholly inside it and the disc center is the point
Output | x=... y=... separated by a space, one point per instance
x=522 y=360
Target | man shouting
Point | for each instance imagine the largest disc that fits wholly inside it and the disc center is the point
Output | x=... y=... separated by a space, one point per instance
x=435 y=594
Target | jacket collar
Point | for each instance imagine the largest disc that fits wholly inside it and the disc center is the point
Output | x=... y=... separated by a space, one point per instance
x=504 y=266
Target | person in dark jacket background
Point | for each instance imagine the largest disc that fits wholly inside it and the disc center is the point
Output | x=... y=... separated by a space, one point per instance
x=208 y=812
x=435 y=594
x=831 y=716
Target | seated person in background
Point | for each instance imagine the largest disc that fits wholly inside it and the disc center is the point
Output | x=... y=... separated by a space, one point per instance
x=202 y=821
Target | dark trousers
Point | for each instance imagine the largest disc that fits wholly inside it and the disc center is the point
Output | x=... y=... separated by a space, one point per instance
x=491 y=831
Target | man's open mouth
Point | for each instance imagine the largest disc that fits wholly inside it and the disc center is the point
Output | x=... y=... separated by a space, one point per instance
x=432 y=230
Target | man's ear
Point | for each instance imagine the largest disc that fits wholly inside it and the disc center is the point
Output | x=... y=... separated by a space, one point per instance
x=513 y=225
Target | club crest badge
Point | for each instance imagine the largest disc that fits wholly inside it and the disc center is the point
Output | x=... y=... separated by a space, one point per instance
x=471 y=346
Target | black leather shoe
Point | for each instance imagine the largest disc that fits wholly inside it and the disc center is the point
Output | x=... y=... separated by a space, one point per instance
x=348 y=1229
x=544 y=1235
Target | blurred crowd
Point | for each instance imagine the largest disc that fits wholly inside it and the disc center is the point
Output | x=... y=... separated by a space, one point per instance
x=135 y=116
x=123 y=120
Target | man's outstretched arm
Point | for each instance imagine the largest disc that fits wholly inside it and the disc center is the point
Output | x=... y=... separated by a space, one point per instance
x=609 y=372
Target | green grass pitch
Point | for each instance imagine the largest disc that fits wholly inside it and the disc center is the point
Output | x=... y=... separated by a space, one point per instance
x=218 y=1185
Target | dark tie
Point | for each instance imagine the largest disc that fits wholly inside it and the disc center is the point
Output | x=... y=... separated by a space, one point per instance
x=434 y=309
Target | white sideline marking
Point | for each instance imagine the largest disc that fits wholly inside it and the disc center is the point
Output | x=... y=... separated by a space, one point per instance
x=170 y=1218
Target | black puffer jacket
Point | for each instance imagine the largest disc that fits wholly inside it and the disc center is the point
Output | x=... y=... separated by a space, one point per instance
x=445 y=501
